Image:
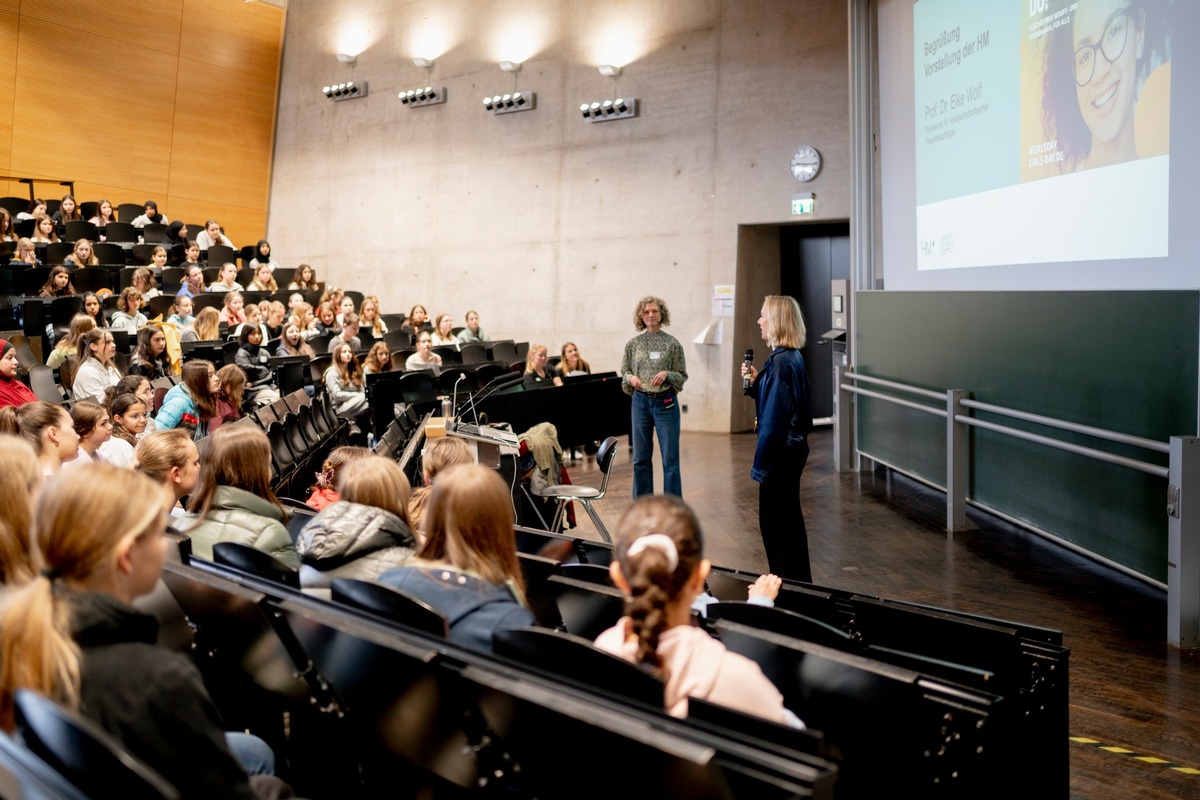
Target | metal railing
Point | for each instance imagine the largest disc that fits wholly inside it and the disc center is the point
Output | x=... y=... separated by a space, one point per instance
x=31 y=181
x=1182 y=473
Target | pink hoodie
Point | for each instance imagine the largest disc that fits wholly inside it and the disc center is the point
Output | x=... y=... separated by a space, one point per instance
x=697 y=665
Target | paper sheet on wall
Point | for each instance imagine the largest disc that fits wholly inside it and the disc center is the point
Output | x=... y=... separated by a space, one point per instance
x=722 y=300
x=713 y=333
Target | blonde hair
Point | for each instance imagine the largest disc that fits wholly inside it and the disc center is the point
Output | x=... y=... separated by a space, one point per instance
x=20 y=477
x=375 y=481
x=534 y=349
x=440 y=454
x=157 y=452
x=470 y=525
x=78 y=530
x=339 y=458
x=785 y=322
x=208 y=324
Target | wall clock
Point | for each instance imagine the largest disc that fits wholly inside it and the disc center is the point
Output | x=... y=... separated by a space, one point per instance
x=806 y=163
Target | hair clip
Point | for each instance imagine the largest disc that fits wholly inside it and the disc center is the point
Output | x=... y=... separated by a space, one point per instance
x=656 y=541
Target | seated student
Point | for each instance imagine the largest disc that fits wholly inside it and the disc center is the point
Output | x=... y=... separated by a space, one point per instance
x=205 y=328
x=170 y=459
x=292 y=343
x=467 y=568
x=263 y=281
x=136 y=385
x=191 y=254
x=128 y=316
x=472 y=333
x=20 y=482
x=212 y=235
x=192 y=403
x=48 y=428
x=571 y=363
x=324 y=492
x=92 y=307
x=95 y=370
x=226 y=279
x=254 y=360
x=368 y=317
x=129 y=416
x=234 y=312
x=378 y=359
x=439 y=455
x=254 y=319
x=150 y=359
x=150 y=217
x=363 y=534
x=36 y=210
x=417 y=321
x=12 y=391
x=71 y=633
x=326 y=322
x=45 y=231
x=68 y=211
x=25 y=255
x=7 y=233
x=93 y=427
x=181 y=312
x=304 y=279
x=661 y=569
x=58 y=283
x=193 y=281
x=177 y=234
x=424 y=358
x=82 y=255
x=536 y=371
x=231 y=396
x=274 y=315
x=344 y=306
x=234 y=500
x=262 y=256
x=443 y=331
x=104 y=214
x=344 y=383
x=348 y=335
x=143 y=277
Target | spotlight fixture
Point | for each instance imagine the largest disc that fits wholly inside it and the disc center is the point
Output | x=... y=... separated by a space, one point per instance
x=427 y=96
x=509 y=103
x=346 y=58
x=605 y=110
x=609 y=71
x=345 y=91
x=510 y=66
x=424 y=63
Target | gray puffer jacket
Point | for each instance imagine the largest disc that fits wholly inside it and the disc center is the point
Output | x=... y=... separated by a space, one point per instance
x=240 y=516
x=352 y=540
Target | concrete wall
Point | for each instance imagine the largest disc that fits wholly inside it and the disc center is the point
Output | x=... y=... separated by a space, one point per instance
x=550 y=226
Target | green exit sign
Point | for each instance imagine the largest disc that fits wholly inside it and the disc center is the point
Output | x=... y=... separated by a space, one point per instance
x=802 y=204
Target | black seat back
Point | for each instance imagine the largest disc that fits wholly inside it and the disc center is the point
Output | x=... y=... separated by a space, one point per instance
x=245 y=558
x=391 y=604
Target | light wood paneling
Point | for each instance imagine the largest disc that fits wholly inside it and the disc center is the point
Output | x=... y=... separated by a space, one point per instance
x=172 y=100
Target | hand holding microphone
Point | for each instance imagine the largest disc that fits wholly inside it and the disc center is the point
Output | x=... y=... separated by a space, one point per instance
x=749 y=373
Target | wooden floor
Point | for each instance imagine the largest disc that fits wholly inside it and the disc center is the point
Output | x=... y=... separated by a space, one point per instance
x=881 y=534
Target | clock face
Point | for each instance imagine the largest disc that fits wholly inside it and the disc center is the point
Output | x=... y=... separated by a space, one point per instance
x=806 y=163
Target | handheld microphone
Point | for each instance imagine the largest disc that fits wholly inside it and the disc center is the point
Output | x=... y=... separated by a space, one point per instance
x=747 y=363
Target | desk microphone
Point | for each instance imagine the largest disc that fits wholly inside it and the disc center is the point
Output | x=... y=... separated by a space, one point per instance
x=496 y=384
x=748 y=363
x=454 y=402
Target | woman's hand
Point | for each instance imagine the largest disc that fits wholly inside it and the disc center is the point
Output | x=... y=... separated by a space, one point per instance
x=749 y=370
x=659 y=379
x=635 y=381
x=766 y=586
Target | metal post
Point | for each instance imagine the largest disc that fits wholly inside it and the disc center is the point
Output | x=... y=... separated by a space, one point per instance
x=843 y=423
x=958 y=463
x=1183 y=543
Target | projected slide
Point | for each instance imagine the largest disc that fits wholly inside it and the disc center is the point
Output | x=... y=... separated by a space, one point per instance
x=1042 y=130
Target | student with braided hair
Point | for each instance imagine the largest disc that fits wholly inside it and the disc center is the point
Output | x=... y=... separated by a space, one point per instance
x=661 y=569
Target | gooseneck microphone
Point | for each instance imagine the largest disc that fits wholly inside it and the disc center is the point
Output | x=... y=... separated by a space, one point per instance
x=747 y=363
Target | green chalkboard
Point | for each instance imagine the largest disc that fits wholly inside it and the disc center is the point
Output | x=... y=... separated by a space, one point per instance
x=1123 y=361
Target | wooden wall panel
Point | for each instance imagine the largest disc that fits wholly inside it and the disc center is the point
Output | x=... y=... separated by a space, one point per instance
x=169 y=99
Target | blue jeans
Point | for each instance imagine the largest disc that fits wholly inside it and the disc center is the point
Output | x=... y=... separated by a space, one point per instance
x=650 y=413
x=255 y=755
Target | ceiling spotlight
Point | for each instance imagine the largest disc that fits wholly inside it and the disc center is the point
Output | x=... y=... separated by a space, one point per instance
x=345 y=91
x=605 y=110
x=425 y=63
x=609 y=71
x=510 y=66
x=346 y=58
x=506 y=103
x=424 y=96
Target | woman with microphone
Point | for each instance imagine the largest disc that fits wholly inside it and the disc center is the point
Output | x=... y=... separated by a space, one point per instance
x=781 y=395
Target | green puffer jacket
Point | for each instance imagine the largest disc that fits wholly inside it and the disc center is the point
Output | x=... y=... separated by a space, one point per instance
x=239 y=516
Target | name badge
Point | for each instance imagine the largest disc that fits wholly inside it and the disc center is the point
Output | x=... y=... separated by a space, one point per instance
x=654 y=356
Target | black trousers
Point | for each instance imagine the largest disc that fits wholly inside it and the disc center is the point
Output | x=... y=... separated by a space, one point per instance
x=781 y=520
